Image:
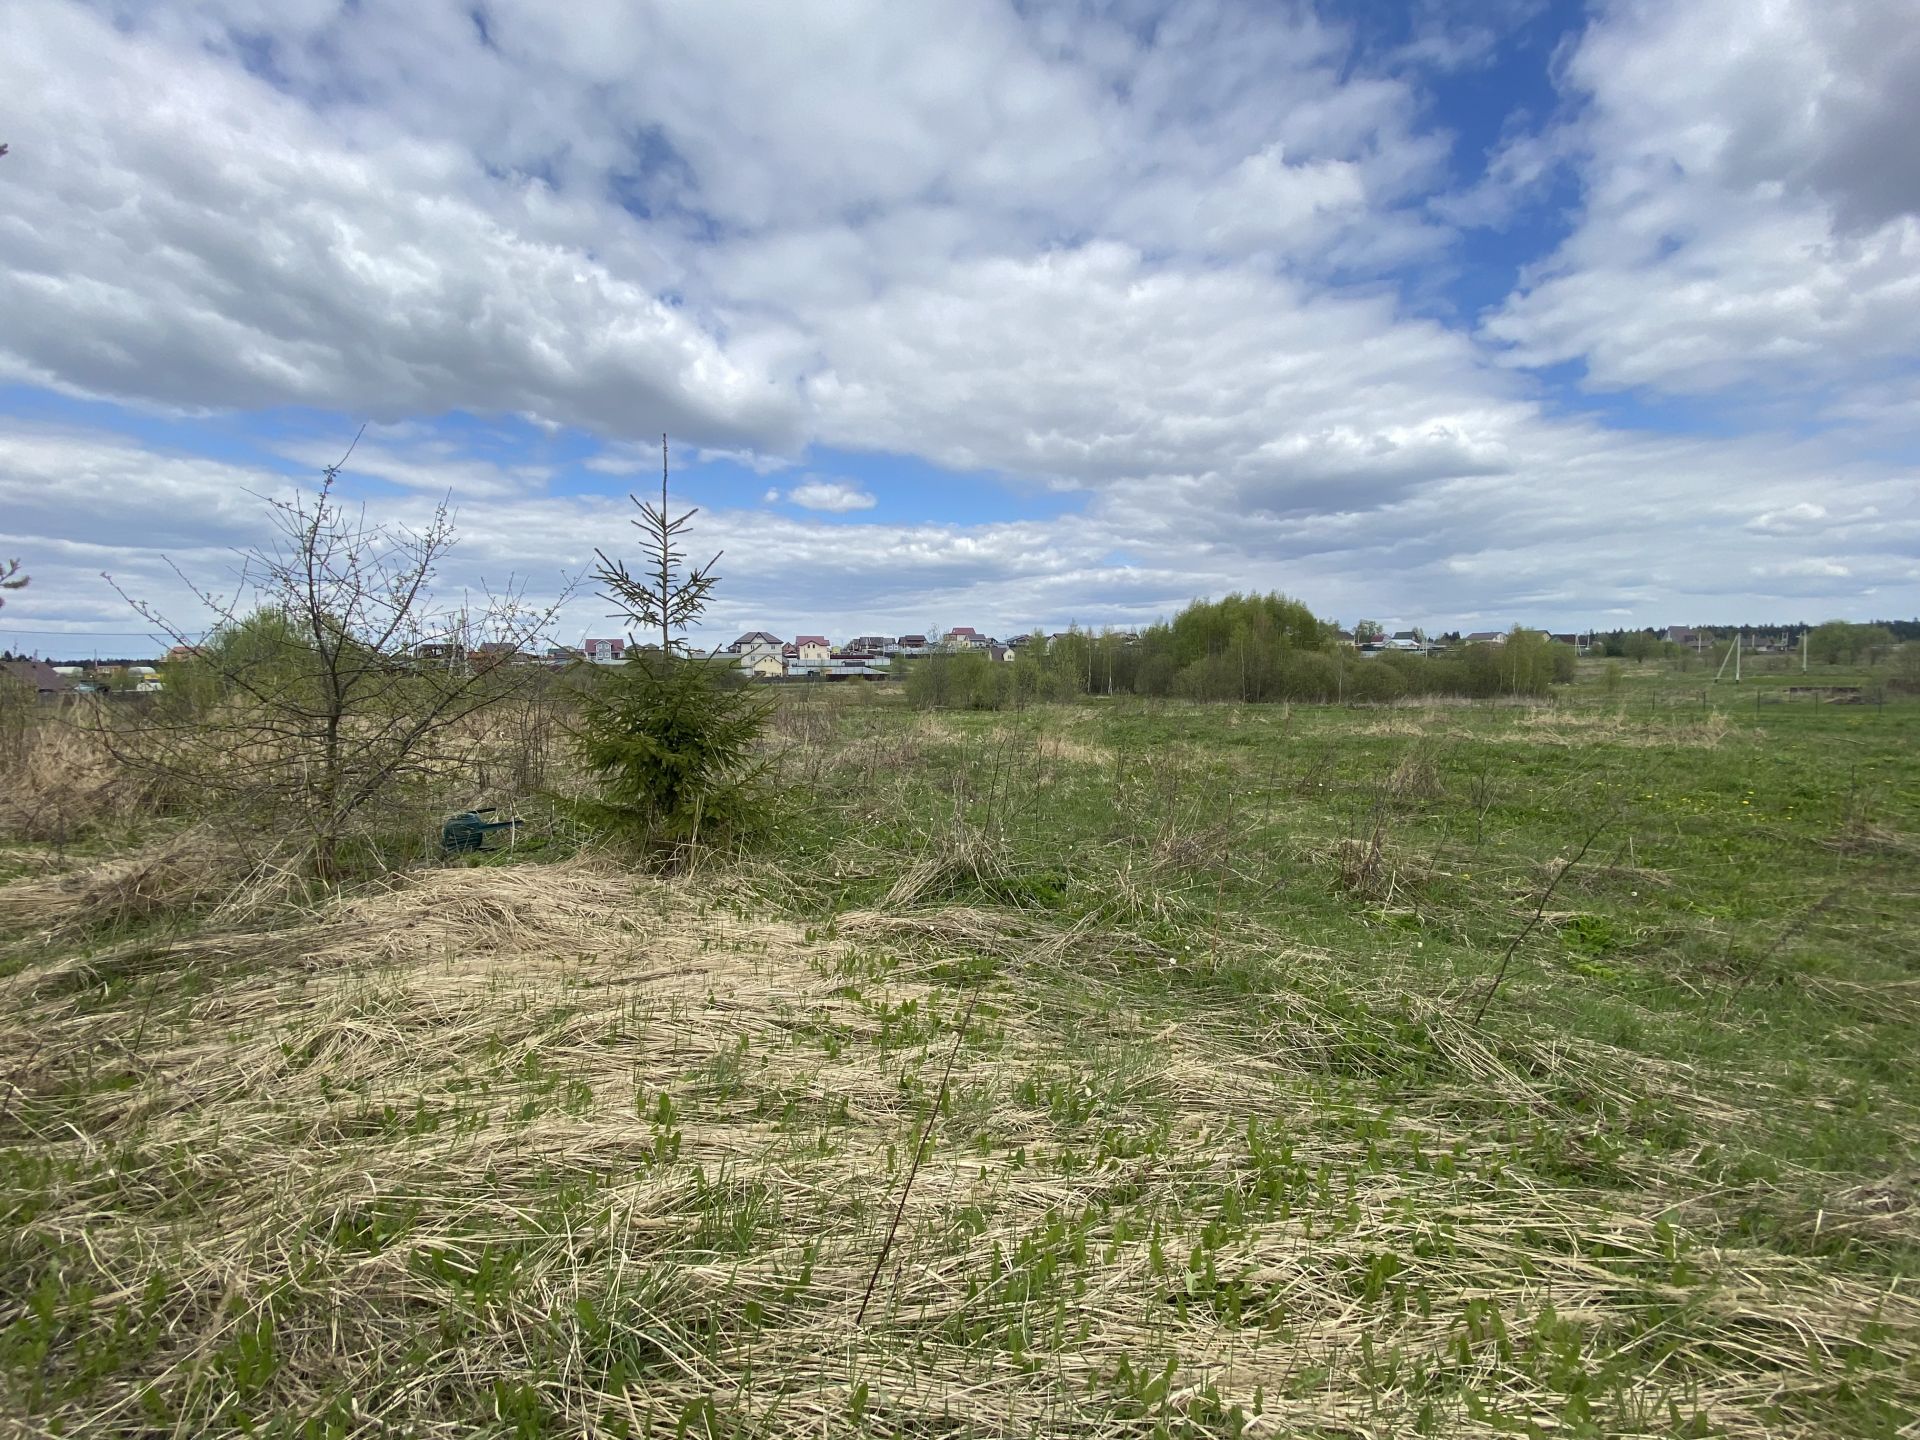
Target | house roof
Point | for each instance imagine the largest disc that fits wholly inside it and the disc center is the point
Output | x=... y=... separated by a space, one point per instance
x=963 y=630
x=37 y=673
x=616 y=644
x=911 y=640
x=1486 y=634
x=809 y=639
x=757 y=637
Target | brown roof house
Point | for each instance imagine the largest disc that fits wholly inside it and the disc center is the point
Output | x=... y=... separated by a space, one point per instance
x=45 y=680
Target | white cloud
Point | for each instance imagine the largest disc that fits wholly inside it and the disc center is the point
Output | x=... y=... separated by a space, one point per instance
x=1792 y=518
x=1499 y=547
x=1150 y=268
x=175 y=231
x=835 y=496
x=1820 y=566
x=1742 y=224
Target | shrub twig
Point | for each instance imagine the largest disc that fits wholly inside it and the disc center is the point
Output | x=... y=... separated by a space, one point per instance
x=1501 y=974
x=919 y=1151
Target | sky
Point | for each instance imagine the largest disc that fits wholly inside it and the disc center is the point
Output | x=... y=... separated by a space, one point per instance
x=1452 y=313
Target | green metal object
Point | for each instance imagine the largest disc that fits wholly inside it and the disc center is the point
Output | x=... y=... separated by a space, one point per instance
x=469 y=830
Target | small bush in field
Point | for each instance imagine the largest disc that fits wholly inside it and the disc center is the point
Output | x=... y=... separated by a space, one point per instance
x=1373 y=683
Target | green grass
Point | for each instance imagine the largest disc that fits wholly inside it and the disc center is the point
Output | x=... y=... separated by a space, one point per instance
x=535 y=1150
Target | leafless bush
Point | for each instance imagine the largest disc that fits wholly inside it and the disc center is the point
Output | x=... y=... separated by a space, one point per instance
x=332 y=685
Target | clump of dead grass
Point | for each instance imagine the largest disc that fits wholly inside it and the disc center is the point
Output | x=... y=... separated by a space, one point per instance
x=194 y=870
x=1415 y=779
x=1574 y=728
x=953 y=857
x=1859 y=835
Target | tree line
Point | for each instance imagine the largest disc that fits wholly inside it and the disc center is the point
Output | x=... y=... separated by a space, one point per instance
x=1249 y=648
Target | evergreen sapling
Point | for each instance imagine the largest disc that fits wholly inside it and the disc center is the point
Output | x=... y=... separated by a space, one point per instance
x=671 y=737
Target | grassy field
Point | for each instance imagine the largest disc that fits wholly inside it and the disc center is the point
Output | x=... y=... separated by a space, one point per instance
x=1258 y=1071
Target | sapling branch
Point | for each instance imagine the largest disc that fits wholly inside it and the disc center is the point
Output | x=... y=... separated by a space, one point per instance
x=1501 y=974
x=919 y=1151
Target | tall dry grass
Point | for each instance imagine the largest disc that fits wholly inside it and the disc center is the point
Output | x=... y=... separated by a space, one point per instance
x=60 y=781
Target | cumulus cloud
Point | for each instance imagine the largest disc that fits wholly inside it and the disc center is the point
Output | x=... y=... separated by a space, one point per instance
x=834 y=496
x=175 y=230
x=1157 y=265
x=1746 y=222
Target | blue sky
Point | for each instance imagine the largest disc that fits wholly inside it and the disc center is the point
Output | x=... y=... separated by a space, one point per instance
x=1012 y=315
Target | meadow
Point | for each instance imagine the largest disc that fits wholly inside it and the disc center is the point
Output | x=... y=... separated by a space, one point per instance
x=1117 y=1068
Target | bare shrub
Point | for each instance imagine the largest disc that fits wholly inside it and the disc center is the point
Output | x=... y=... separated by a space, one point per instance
x=331 y=680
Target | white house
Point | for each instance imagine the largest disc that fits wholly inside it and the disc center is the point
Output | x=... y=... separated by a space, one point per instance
x=603 y=652
x=754 y=648
x=764 y=667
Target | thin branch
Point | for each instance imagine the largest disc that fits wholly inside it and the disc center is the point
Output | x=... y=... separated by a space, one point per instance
x=919 y=1150
x=1539 y=910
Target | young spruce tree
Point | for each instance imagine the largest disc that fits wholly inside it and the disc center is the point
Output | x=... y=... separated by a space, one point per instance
x=670 y=735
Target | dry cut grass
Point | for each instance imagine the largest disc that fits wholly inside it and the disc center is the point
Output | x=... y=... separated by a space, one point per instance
x=559 y=1151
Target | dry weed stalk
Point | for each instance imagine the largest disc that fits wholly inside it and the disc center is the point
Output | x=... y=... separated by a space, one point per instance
x=1499 y=975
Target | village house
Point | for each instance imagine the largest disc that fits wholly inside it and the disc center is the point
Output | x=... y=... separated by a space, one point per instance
x=764 y=667
x=497 y=652
x=603 y=652
x=45 y=681
x=756 y=647
x=811 y=649
x=1486 y=637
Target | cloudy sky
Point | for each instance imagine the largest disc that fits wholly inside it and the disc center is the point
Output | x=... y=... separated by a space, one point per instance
x=1454 y=313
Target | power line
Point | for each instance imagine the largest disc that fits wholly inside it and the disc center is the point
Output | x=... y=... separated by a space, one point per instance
x=87 y=634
